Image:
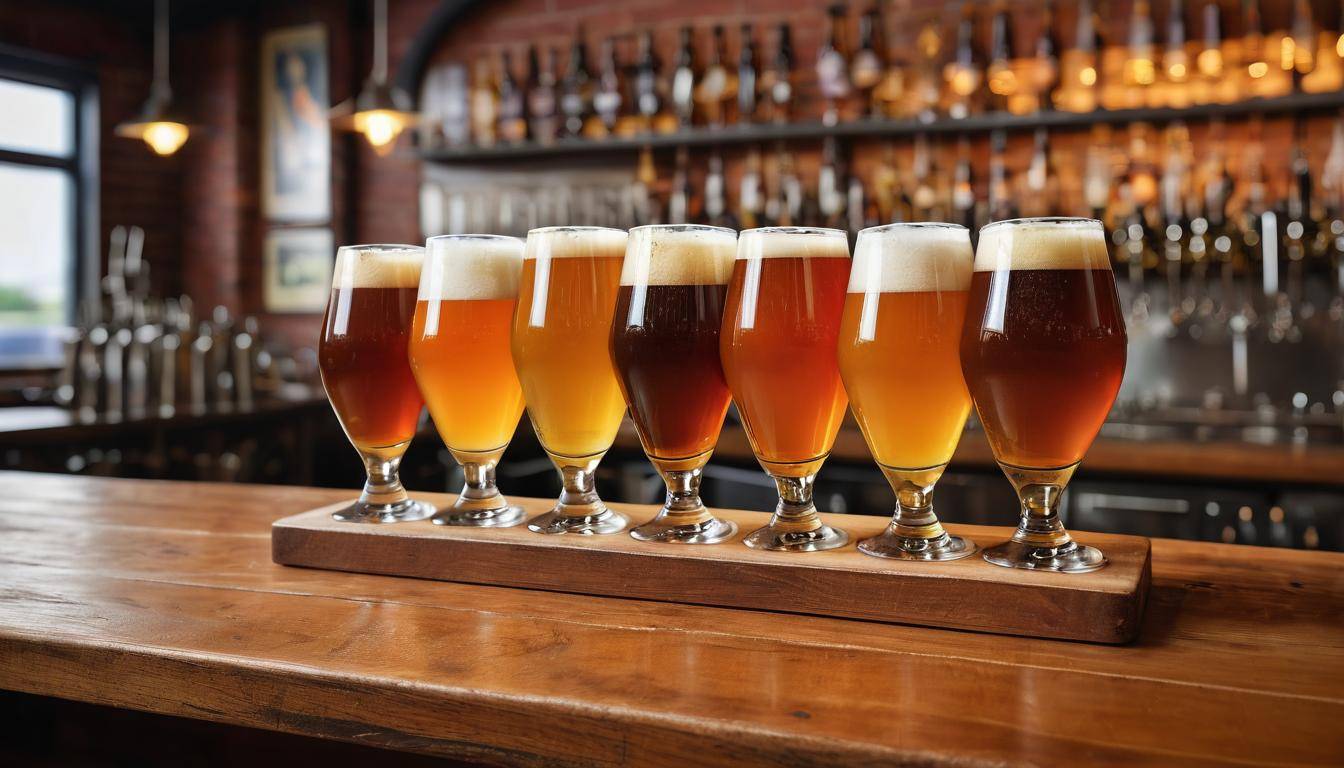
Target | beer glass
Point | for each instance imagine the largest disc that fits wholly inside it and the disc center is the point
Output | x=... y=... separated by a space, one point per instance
x=665 y=347
x=561 y=330
x=1043 y=352
x=781 y=324
x=362 y=358
x=460 y=356
x=898 y=357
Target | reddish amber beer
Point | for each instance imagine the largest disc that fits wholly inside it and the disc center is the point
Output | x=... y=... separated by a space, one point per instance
x=362 y=358
x=665 y=348
x=460 y=354
x=1043 y=352
x=780 y=327
x=898 y=356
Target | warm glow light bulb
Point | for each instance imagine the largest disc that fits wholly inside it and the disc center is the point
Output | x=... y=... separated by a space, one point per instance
x=1210 y=62
x=1088 y=76
x=1339 y=46
x=381 y=127
x=1257 y=69
x=165 y=138
x=1287 y=52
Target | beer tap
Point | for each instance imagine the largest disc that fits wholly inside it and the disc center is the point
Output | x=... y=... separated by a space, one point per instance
x=199 y=371
x=244 y=349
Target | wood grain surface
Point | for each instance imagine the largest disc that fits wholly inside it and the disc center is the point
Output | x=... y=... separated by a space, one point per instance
x=1101 y=607
x=162 y=597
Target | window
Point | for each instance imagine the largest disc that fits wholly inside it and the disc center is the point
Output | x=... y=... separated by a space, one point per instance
x=48 y=203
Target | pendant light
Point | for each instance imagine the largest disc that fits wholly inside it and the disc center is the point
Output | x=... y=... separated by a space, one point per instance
x=158 y=125
x=382 y=110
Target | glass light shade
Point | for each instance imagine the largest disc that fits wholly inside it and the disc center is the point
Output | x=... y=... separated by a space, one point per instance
x=381 y=127
x=163 y=136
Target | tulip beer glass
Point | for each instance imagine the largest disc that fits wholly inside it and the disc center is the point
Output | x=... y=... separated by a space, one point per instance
x=1043 y=352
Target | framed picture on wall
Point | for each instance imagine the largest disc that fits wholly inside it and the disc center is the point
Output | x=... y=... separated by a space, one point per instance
x=296 y=269
x=295 y=132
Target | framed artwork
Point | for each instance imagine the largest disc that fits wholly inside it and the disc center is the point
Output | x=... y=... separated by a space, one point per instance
x=295 y=132
x=296 y=269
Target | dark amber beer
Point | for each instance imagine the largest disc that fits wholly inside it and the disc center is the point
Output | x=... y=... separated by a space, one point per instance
x=899 y=337
x=1043 y=352
x=362 y=359
x=460 y=355
x=562 y=353
x=780 y=327
x=665 y=348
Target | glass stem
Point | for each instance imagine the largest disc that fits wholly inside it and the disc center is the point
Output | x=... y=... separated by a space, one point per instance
x=383 y=488
x=479 y=492
x=683 y=496
x=914 y=517
x=795 y=512
x=578 y=491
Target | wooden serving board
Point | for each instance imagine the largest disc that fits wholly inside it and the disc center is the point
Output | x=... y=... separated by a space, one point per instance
x=1104 y=606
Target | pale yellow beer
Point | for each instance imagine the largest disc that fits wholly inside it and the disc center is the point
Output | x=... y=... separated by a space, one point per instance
x=561 y=343
x=899 y=355
x=900 y=337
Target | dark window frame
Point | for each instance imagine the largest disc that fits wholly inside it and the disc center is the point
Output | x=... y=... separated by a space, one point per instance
x=81 y=82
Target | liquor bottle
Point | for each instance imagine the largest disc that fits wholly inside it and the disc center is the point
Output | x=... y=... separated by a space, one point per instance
x=750 y=203
x=1041 y=182
x=830 y=198
x=1140 y=69
x=1328 y=73
x=778 y=81
x=607 y=95
x=678 y=201
x=747 y=81
x=887 y=187
x=1080 y=66
x=832 y=68
x=642 y=189
x=684 y=81
x=1002 y=201
x=927 y=87
x=576 y=89
x=925 y=197
x=512 y=112
x=1299 y=49
x=890 y=96
x=963 y=187
x=541 y=100
x=963 y=73
x=484 y=107
x=1175 y=61
x=716 y=86
x=1002 y=78
x=647 y=98
x=1213 y=85
x=716 y=204
x=1045 y=68
x=867 y=67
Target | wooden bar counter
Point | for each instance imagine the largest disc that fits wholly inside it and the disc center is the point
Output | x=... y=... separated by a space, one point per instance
x=162 y=597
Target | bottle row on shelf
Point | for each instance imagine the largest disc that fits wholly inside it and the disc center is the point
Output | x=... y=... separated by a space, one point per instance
x=902 y=66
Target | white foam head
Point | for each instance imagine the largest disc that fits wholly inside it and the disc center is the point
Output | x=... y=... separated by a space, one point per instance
x=903 y=258
x=574 y=242
x=793 y=242
x=679 y=254
x=461 y=267
x=378 y=266
x=1042 y=244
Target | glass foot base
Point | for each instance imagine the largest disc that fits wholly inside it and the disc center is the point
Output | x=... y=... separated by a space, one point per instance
x=505 y=517
x=391 y=513
x=1070 y=558
x=554 y=522
x=711 y=531
x=945 y=547
x=815 y=540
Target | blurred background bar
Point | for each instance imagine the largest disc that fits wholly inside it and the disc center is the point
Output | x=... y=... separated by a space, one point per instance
x=174 y=180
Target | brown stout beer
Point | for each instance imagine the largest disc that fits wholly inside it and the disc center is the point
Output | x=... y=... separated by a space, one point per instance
x=665 y=349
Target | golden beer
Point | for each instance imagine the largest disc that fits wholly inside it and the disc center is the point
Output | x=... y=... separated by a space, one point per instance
x=561 y=332
x=459 y=352
x=899 y=357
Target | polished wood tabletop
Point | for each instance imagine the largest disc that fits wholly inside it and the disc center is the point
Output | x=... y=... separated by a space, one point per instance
x=162 y=597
